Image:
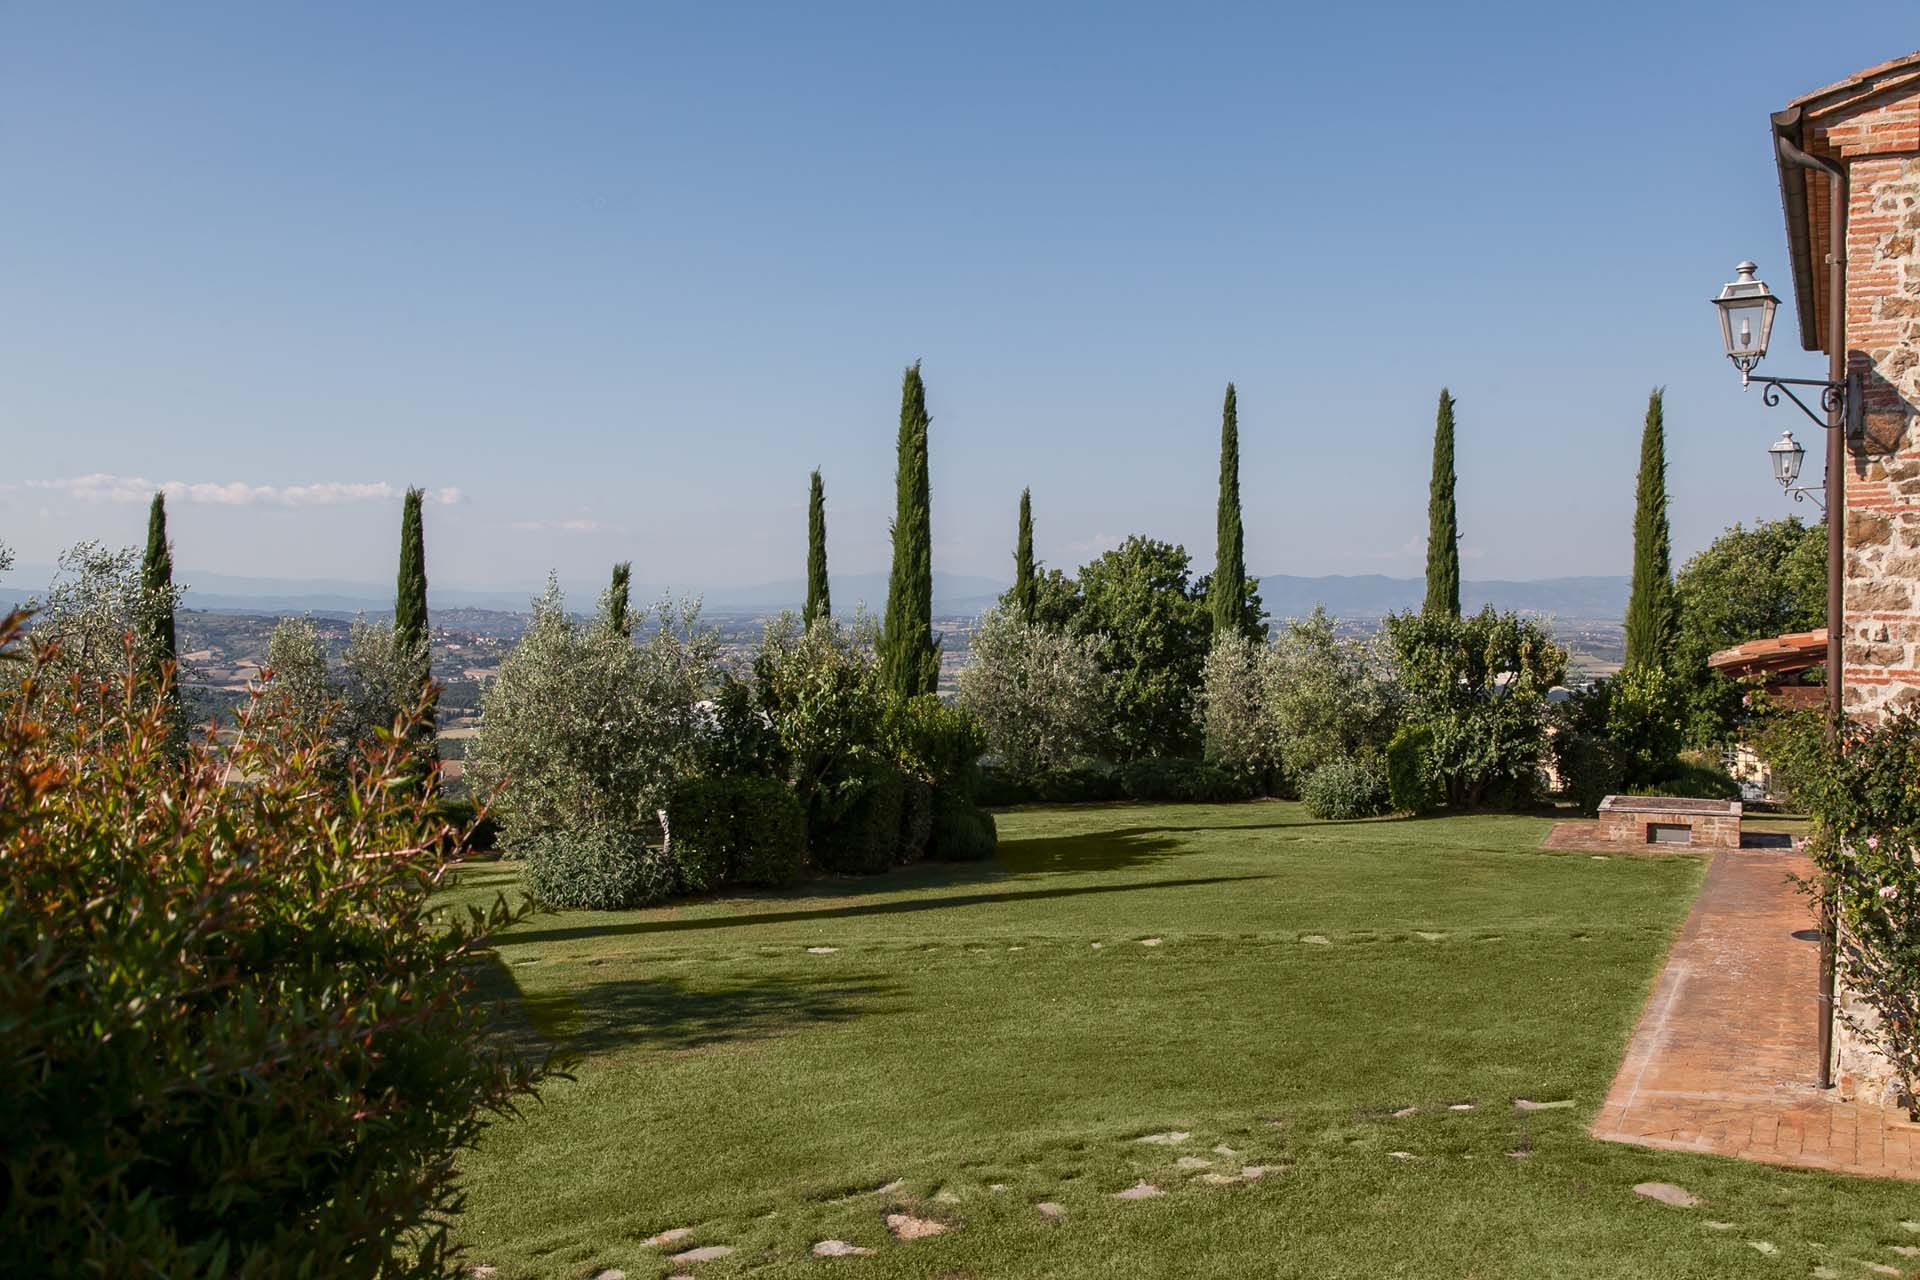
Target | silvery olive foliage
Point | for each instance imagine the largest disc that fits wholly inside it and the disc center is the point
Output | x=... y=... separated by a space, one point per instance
x=582 y=728
x=1239 y=736
x=378 y=679
x=97 y=609
x=1326 y=696
x=298 y=665
x=1038 y=691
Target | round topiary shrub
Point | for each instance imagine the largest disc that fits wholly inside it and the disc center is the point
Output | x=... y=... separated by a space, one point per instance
x=596 y=868
x=1411 y=786
x=856 y=828
x=916 y=818
x=962 y=830
x=1345 y=788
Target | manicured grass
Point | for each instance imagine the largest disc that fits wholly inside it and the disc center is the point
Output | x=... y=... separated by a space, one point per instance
x=968 y=1031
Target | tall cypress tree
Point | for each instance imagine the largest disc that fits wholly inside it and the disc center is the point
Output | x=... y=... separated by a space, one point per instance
x=1226 y=595
x=410 y=596
x=1443 y=521
x=909 y=657
x=1650 y=605
x=619 y=604
x=1026 y=580
x=819 y=591
x=157 y=640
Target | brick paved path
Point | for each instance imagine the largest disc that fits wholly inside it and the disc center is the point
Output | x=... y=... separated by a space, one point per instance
x=1723 y=1059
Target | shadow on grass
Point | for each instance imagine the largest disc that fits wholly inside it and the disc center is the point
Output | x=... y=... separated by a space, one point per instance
x=900 y=906
x=668 y=1014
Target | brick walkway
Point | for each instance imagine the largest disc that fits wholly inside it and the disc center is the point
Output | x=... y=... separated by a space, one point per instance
x=1723 y=1059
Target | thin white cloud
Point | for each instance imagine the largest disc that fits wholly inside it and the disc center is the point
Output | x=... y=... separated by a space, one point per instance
x=1099 y=544
x=563 y=526
x=104 y=487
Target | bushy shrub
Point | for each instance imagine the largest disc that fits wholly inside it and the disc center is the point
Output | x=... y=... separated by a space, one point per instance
x=239 y=1041
x=962 y=831
x=855 y=828
x=1694 y=779
x=724 y=831
x=1641 y=713
x=936 y=742
x=1037 y=692
x=1090 y=782
x=1150 y=630
x=821 y=714
x=916 y=818
x=1238 y=734
x=1345 y=787
x=596 y=867
x=1589 y=767
x=1327 y=696
x=480 y=830
x=1181 y=781
x=701 y=840
x=1411 y=785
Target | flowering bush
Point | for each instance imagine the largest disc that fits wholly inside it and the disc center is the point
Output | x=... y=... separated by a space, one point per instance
x=1862 y=788
x=237 y=1040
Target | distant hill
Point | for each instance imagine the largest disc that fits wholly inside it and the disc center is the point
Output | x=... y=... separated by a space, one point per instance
x=1286 y=596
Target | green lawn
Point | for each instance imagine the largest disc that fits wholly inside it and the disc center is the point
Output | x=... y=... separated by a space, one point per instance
x=1007 y=1025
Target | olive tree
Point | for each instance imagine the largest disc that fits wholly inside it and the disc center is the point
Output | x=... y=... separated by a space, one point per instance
x=1036 y=690
x=1327 y=696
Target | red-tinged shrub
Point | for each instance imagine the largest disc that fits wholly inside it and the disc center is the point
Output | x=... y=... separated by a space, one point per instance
x=235 y=1039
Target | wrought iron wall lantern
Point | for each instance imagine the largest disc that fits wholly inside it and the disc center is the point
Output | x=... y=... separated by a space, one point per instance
x=1746 y=308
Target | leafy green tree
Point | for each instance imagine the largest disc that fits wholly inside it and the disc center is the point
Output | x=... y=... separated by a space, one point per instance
x=909 y=654
x=1327 y=696
x=819 y=591
x=1479 y=684
x=1650 y=610
x=1237 y=734
x=617 y=605
x=1026 y=591
x=1749 y=584
x=1443 y=521
x=158 y=647
x=410 y=638
x=1227 y=589
x=299 y=676
x=1150 y=629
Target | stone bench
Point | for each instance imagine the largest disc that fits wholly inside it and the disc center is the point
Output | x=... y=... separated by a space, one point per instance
x=1643 y=820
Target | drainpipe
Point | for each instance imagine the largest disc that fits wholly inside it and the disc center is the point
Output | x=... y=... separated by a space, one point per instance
x=1836 y=526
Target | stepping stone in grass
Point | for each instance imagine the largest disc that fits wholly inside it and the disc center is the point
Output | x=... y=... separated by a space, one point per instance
x=1906 y=1250
x=1720 y=1226
x=998 y=1186
x=1218 y=1179
x=705 y=1253
x=1461 y=1106
x=1667 y=1193
x=673 y=1236
x=1194 y=1162
x=945 y=1196
x=821 y=951
x=1317 y=939
x=1255 y=1172
x=1527 y=1104
x=483 y=1272
x=611 y=1273
x=1224 y=1150
x=1139 y=1191
x=1424 y=936
x=889 y=1188
x=1767 y=1249
x=907 y=1227
x=1048 y=1209
x=1401 y=1155
x=840 y=1249
x=1825 y=1273
x=1096 y=946
x=1910 y=1226
x=1519 y=1155
x=1016 y=948
x=1406 y=1112
x=1150 y=942
x=1171 y=1138
x=1878 y=1268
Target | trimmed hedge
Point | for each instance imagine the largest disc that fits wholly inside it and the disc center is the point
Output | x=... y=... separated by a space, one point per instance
x=916 y=819
x=738 y=830
x=856 y=830
x=1345 y=788
x=596 y=869
x=1082 y=784
x=1411 y=786
x=1183 y=781
x=962 y=830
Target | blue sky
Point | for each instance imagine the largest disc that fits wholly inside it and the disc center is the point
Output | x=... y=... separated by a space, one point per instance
x=620 y=275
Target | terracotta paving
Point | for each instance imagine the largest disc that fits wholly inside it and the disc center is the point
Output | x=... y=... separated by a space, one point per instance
x=1723 y=1059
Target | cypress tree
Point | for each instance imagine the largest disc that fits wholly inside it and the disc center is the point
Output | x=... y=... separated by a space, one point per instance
x=1026 y=581
x=620 y=599
x=909 y=658
x=1650 y=605
x=1443 y=521
x=157 y=640
x=410 y=596
x=1226 y=595
x=819 y=591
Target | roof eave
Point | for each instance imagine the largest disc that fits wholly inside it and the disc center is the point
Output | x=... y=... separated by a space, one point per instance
x=1793 y=203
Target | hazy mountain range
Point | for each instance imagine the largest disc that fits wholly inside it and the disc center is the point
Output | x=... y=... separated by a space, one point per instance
x=1286 y=596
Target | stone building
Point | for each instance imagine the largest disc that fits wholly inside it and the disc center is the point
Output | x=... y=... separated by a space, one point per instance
x=1869 y=126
